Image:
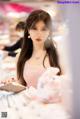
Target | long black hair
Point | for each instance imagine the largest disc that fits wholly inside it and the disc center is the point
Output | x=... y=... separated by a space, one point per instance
x=27 y=46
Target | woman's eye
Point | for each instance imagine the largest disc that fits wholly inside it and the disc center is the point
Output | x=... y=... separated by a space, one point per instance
x=43 y=29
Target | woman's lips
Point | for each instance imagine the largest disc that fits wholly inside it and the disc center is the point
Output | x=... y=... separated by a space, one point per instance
x=38 y=39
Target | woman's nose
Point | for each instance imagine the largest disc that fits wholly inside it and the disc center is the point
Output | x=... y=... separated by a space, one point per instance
x=39 y=32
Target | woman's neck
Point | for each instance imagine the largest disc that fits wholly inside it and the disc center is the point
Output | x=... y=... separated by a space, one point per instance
x=38 y=53
x=38 y=49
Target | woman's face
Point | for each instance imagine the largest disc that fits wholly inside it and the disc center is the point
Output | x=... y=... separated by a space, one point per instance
x=39 y=33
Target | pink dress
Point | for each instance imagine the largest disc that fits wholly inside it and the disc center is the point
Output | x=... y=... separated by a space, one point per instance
x=31 y=74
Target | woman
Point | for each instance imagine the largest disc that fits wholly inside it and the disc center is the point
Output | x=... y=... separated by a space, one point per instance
x=38 y=50
x=38 y=59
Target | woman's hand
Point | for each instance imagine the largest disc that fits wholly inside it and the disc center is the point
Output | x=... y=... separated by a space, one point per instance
x=7 y=81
